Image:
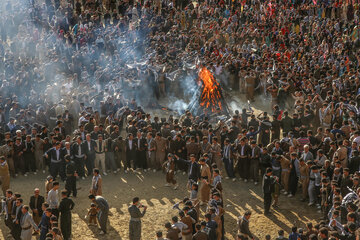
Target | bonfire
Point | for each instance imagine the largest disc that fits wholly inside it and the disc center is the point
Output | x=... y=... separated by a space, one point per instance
x=208 y=96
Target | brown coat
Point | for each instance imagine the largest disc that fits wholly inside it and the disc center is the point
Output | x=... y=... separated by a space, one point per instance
x=200 y=236
x=160 y=145
x=217 y=219
x=205 y=181
x=169 y=168
x=205 y=147
x=173 y=234
x=285 y=163
x=188 y=221
x=192 y=148
x=4 y=177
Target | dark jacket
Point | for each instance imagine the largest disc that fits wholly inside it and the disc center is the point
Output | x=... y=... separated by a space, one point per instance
x=82 y=146
x=268 y=184
x=194 y=169
x=142 y=146
x=92 y=147
x=243 y=225
x=200 y=236
x=53 y=157
x=246 y=151
x=65 y=207
x=40 y=201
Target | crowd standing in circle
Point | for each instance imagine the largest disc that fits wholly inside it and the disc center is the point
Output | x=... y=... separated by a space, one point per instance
x=74 y=75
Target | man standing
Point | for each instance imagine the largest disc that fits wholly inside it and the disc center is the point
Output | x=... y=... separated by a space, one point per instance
x=250 y=86
x=65 y=207
x=130 y=152
x=304 y=178
x=135 y=219
x=96 y=183
x=346 y=182
x=294 y=174
x=29 y=157
x=341 y=152
x=44 y=224
x=244 y=151
x=17 y=213
x=103 y=213
x=79 y=151
x=150 y=153
x=268 y=188
x=8 y=208
x=71 y=174
x=141 y=151
x=100 y=154
x=39 y=152
x=160 y=151
x=254 y=162
x=4 y=175
x=204 y=188
x=314 y=185
x=216 y=153
x=228 y=159
x=27 y=223
x=68 y=121
x=36 y=202
x=194 y=169
x=53 y=199
x=56 y=161
x=119 y=151
x=109 y=155
x=8 y=152
x=18 y=157
x=90 y=154
x=192 y=147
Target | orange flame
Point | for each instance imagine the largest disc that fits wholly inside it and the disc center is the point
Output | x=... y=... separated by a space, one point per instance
x=210 y=96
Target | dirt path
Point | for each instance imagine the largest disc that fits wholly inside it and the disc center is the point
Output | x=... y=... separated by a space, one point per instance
x=120 y=189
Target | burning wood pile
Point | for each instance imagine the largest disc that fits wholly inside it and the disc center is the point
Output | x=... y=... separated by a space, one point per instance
x=208 y=95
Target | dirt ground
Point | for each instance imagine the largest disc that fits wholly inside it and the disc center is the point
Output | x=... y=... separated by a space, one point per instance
x=121 y=188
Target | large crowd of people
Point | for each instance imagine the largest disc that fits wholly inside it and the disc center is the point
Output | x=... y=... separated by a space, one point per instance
x=77 y=76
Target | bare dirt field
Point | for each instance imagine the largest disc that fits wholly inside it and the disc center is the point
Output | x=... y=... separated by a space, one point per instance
x=121 y=188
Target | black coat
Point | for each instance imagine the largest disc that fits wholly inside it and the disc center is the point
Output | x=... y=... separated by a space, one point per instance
x=52 y=155
x=247 y=150
x=65 y=207
x=142 y=146
x=38 y=205
x=82 y=146
x=354 y=164
x=131 y=153
x=194 y=169
x=92 y=147
x=268 y=184
x=66 y=152
x=70 y=169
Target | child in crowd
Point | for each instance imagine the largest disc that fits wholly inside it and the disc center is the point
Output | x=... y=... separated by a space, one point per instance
x=169 y=167
x=194 y=191
x=92 y=215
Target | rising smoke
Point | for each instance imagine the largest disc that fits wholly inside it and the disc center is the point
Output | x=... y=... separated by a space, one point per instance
x=47 y=56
